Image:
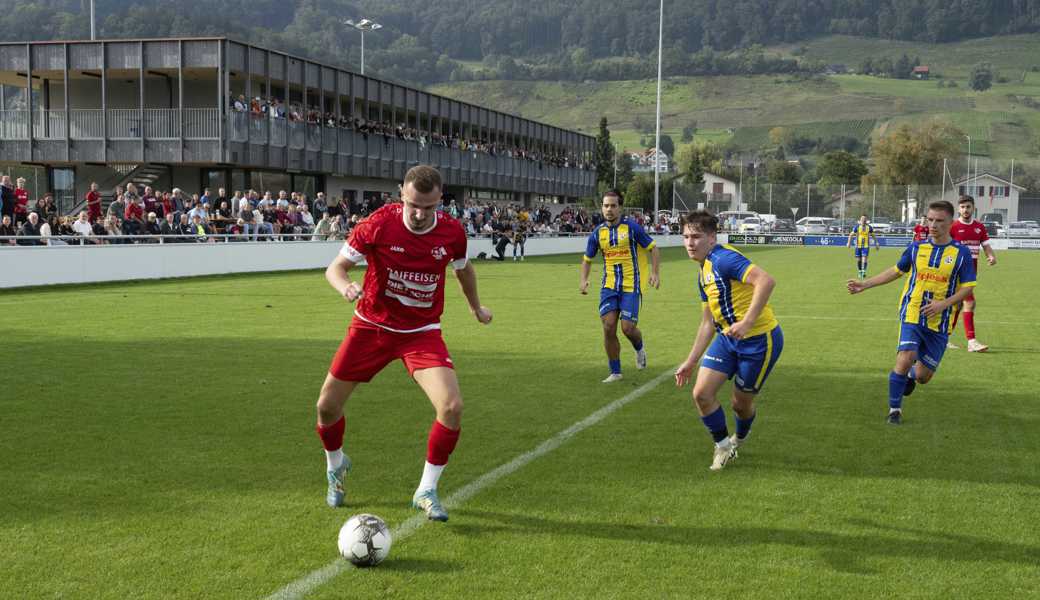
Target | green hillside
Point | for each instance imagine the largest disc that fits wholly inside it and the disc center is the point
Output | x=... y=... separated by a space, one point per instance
x=741 y=110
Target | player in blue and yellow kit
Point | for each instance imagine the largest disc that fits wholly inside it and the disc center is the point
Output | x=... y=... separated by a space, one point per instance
x=941 y=276
x=625 y=245
x=747 y=337
x=862 y=232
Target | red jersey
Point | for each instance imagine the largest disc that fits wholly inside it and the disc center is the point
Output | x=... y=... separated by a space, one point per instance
x=94 y=202
x=403 y=290
x=973 y=235
x=21 y=202
x=920 y=233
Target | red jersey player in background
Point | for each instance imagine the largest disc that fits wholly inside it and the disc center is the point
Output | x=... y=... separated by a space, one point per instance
x=972 y=234
x=921 y=230
x=408 y=247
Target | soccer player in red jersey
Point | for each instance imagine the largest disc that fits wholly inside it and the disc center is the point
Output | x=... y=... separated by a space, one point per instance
x=972 y=234
x=921 y=230
x=407 y=247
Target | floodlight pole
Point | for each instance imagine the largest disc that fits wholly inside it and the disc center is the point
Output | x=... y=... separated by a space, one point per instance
x=966 y=179
x=657 y=142
x=93 y=35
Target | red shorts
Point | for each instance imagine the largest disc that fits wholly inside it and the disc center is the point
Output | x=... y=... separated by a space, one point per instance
x=368 y=348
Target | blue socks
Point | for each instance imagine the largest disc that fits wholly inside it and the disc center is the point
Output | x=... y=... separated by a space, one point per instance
x=615 y=366
x=744 y=426
x=716 y=424
x=637 y=347
x=896 y=387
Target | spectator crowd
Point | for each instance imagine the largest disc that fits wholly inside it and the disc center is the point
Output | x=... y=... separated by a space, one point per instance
x=274 y=108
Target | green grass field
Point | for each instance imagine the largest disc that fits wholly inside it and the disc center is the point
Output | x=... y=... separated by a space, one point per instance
x=157 y=442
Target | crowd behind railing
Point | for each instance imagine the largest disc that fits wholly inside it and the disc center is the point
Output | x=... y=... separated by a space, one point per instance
x=274 y=108
x=142 y=216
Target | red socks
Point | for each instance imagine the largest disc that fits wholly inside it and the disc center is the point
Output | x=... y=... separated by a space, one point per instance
x=332 y=435
x=440 y=444
x=969 y=325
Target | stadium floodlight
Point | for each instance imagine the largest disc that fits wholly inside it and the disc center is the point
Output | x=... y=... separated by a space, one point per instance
x=363 y=25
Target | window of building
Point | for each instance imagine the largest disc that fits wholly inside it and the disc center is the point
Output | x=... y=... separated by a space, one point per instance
x=63 y=185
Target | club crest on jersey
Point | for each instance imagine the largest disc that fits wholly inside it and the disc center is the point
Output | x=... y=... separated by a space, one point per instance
x=439 y=252
x=948 y=260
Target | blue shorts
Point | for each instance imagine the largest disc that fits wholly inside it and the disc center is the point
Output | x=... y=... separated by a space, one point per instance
x=627 y=303
x=864 y=252
x=929 y=345
x=747 y=361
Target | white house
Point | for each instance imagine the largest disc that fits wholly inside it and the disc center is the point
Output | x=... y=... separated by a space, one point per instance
x=722 y=194
x=644 y=162
x=993 y=195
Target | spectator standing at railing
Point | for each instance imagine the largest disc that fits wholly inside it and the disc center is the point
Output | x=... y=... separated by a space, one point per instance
x=93 y=202
x=133 y=215
x=83 y=227
x=7 y=197
x=118 y=205
x=150 y=203
x=7 y=230
x=21 y=202
x=177 y=202
x=320 y=204
x=29 y=229
x=151 y=227
x=205 y=198
x=169 y=227
x=323 y=228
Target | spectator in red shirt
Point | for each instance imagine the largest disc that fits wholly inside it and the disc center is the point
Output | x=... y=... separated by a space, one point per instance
x=133 y=216
x=93 y=203
x=21 y=202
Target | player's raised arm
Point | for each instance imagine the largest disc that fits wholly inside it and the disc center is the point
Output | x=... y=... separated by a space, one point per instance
x=467 y=277
x=705 y=333
x=856 y=286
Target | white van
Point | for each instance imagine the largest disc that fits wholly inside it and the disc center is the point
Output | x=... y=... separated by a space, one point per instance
x=813 y=225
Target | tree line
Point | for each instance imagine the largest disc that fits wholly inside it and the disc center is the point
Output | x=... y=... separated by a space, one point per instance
x=426 y=41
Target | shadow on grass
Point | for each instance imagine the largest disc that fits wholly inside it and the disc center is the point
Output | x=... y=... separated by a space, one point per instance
x=843 y=551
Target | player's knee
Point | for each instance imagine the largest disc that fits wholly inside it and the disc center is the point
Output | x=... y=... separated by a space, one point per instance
x=629 y=328
x=703 y=397
x=924 y=376
x=451 y=409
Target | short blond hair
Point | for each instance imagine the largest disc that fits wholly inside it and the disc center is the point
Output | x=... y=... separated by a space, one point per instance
x=423 y=178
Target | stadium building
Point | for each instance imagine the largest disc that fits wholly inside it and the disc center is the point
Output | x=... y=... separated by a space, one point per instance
x=214 y=112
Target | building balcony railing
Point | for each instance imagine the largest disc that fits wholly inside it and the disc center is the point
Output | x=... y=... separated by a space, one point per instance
x=120 y=123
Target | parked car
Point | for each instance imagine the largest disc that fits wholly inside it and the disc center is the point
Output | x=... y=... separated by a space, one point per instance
x=751 y=225
x=993 y=228
x=900 y=229
x=1024 y=229
x=881 y=224
x=784 y=226
x=812 y=225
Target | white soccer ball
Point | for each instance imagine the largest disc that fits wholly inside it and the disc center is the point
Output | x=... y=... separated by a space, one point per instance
x=364 y=540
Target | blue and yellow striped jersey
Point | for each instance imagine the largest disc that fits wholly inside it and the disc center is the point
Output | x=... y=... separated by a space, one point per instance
x=863 y=235
x=723 y=285
x=936 y=273
x=624 y=247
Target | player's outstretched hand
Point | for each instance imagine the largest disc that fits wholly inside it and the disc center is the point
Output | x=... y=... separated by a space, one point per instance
x=655 y=281
x=855 y=286
x=584 y=288
x=483 y=314
x=683 y=373
x=992 y=260
x=353 y=291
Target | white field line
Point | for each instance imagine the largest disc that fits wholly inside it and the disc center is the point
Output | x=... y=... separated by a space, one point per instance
x=315 y=579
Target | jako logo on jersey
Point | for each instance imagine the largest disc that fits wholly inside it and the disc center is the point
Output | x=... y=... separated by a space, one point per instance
x=396 y=249
x=439 y=252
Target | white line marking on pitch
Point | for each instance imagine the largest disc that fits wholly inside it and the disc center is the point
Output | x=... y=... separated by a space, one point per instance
x=308 y=583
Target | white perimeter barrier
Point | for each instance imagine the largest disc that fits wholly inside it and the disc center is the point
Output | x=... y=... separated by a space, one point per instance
x=22 y=266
